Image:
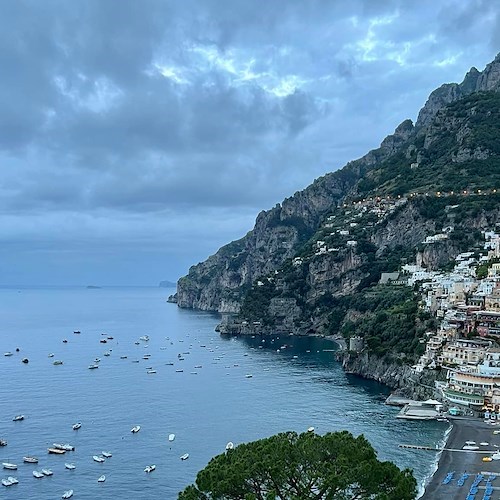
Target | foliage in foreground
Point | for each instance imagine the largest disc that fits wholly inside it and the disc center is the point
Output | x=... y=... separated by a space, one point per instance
x=303 y=466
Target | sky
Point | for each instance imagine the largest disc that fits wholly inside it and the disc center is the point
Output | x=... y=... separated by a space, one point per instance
x=137 y=137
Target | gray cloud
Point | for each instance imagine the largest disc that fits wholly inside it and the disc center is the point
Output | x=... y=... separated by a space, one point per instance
x=188 y=111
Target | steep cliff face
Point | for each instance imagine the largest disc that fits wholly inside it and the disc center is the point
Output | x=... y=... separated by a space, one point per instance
x=454 y=146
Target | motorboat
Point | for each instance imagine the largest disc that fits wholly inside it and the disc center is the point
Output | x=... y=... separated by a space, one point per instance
x=310 y=429
x=77 y=426
x=9 y=466
x=57 y=362
x=64 y=447
x=17 y=418
x=179 y=371
x=171 y=437
x=145 y=338
x=230 y=445
x=77 y=332
x=151 y=372
x=65 y=341
x=13 y=480
x=37 y=474
x=47 y=472
x=70 y=466
x=98 y=459
x=150 y=468
x=109 y=337
x=30 y=460
x=93 y=367
x=123 y=357
x=97 y=360
x=249 y=375
x=107 y=354
x=101 y=479
x=8 y=353
x=6 y=482
x=67 y=494
x=3 y=442
x=56 y=451
x=51 y=355
x=135 y=429
x=103 y=341
x=106 y=454
x=185 y=456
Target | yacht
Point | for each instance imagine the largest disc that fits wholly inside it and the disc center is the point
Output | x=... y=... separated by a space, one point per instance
x=67 y=494
x=77 y=426
x=101 y=479
x=37 y=474
x=135 y=429
x=98 y=459
x=9 y=466
x=150 y=468
x=70 y=466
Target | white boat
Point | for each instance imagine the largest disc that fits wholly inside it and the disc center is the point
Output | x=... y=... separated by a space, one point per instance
x=13 y=480
x=17 y=418
x=67 y=494
x=47 y=472
x=30 y=460
x=135 y=429
x=106 y=454
x=8 y=353
x=496 y=455
x=107 y=354
x=93 y=367
x=249 y=375
x=57 y=362
x=150 y=468
x=310 y=429
x=64 y=447
x=9 y=466
x=185 y=456
x=101 y=479
x=145 y=338
x=230 y=445
x=77 y=426
x=37 y=474
x=171 y=437
x=150 y=372
x=99 y=459
x=51 y=355
x=123 y=357
x=6 y=482
x=70 y=466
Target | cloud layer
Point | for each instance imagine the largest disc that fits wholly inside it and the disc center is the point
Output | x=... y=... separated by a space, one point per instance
x=136 y=137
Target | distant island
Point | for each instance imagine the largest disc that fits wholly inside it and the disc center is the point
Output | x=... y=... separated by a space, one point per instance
x=167 y=284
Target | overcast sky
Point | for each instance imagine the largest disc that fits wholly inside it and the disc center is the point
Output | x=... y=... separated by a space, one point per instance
x=137 y=137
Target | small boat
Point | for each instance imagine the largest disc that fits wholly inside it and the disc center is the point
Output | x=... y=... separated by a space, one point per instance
x=198 y=366
x=25 y=361
x=136 y=342
x=6 y=482
x=93 y=367
x=65 y=341
x=3 y=442
x=179 y=371
x=135 y=429
x=150 y=468
x=135 y=361
x=37 y=474
x=146 y=356
x=230 y=445
x=13 y=480
x=171 y=437
x=248 y=375
x=57 y=362
x=151 y=372
x=185 y=456
x=103 y=341
x=145 y=338
x=107 y=354
x=169 y=364
x=77 y=426
x=30 y=460
x=310 y=429
x=106 y=454
x=101 y=479
x=97 y=360
x=109 y=337
x=9 y=466
x=67 y=494
x=17 y=418
x=64 y=447
x=8 y=353
x=47 y=472
x=123 y=357
x=56 y=451
x=98 y=459
x=70 y=466
x=51 y=355
x=77 y=332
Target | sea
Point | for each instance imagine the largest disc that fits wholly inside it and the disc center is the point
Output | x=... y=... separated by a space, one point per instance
x=229 y=389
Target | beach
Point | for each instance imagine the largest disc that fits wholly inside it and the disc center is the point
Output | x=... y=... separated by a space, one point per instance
x=454 y=459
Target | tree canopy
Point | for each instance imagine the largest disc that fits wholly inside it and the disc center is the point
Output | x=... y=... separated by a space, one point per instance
x=303 y=466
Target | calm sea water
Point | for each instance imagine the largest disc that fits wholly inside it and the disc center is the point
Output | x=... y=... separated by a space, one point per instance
x=300 y=386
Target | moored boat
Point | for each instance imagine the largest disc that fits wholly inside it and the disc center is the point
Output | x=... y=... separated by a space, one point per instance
x=67 y=494
x=185 y=456
x=3 y=442
x=106 y=454
x=6 y=482
x=9 y=466
x=93 y=367
x=57 y=362
x=17 y=418
x=150 y=468
x=135 y=429
x=98 y=459
x=70 y=466
x=30 y=460
x=65 y=447
x=47 y=472
x=8 y=353
x=77 y=426
x=230 y=445
x=13 y=480
x=56 y=451
x=101 y=479
x=171 y=437
x=37 y=474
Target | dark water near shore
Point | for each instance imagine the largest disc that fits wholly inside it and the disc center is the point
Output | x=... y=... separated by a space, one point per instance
x=298 y=387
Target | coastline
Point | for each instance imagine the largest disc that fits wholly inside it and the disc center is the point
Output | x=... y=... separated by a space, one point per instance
x=453 y=459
